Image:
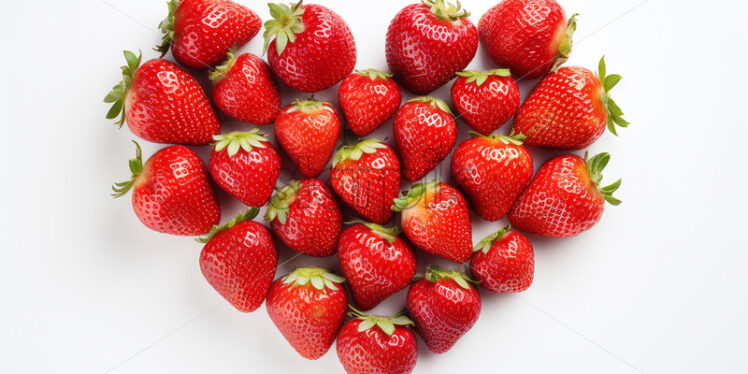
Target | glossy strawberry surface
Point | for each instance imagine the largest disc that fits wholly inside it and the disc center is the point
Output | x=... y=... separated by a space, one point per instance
x=368 y=98
x=247 y=90
x=308 y=132
x=373 y=351
x=504 y=262
x=486 y=103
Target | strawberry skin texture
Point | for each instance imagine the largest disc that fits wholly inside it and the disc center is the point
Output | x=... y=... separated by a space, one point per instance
x=248 y=92
x=508 y=266
x=248 y=176
x=367 y=103
x=373 y=351
x=486 y=107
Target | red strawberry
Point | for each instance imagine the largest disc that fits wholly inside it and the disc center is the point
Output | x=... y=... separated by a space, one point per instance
x=201 y=32
x=162 y=103
x=171 y=193
x=367 y=177
x=368 y=98
x=527 y=36
x=504 y=262
x=564 y=198
x=492 y=171
x=309 y=47
x=376 y=262
x=305 y=218
x=308 y=306
x=485 y=100
x=425 y=133
x=444 y=307
x=569 y=109
x=245 y=89
x=246 y=166
x=435 y=218
x=239 y=261
x=427 y=43
x=308 y=131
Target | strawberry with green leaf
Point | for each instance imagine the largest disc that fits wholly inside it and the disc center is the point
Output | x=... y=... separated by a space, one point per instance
x=485 y=100
x=503 y=262
x=368 y=98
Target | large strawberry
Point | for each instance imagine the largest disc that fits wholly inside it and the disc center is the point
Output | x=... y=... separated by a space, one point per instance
x=425 y=133
x=444 y=307
x=569 y=109
x=246 y=166
x=368 y=98
x=367 y=177
x=527 y=36
x=308 y=306
x=504 y=262
x=171 y=193
x=305 y=218
x=309 y=46
x=485 y=100
x=428 y=42
x=162 y=103
x=492 y=171
x=436 y=219
x=565 y=197
x=201 y=32
x=239 y=261
x=376 y=262
x=308 y=131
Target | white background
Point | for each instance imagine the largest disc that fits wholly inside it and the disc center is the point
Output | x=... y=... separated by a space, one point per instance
x=658 y=286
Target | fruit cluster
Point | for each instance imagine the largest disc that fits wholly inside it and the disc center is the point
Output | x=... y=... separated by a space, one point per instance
x=310 y=48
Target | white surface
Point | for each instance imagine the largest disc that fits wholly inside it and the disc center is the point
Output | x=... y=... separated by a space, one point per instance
x=658 y=286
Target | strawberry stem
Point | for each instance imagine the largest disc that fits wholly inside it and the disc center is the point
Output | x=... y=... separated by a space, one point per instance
x=434 y=273
x=319 y=278
x=446 y=11
x=435 y=102
x=615 y=114
x=388 y=233
x=409 y=198
x=136 y=167
x=167 y=28
x=385 y=323
x=374 y=74
x=220 y=71
x=354 y=152
x=485 y=244
x=285 y=24
x=595 y=166
x=480 y=77
x=232 y=142
x=278 y=206
x=118 y=94
x=250 y=214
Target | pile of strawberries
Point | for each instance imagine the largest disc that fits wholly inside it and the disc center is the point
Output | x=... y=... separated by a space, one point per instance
x=310 y=48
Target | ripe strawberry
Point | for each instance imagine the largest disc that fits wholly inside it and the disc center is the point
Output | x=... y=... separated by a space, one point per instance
x=308 y=131
x=305 y=218
x=201 y=32
x=425 y=133
x=308 y=306
x=527 y=36
x=564 y=198
x=485 y=100
x=376 y=262
x=368 y=98
x=245 y=165
x=171 y=193
x=239 y=261
x=162 y=103
x=435 y=218
x=569 y=109
x=367 y=177
x=428 y=42
x=245 y=89
x=504 y=262
x=492 y=171
x=309 y=47
x=444 y=307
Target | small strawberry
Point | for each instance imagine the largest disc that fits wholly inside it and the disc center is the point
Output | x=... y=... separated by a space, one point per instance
x=308 y=306
x=487 y=100
x=428 y=42
x=504 y=262
x=564 y=198
x=368 y=98
x=171 y=193
x=162 y=103
x=425 y=133
x=305 y=218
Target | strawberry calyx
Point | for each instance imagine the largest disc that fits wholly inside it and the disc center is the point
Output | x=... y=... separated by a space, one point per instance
x=119 y=92
x=245 y=140
x=167 y=28
x=516 y=139
x=434 y=273
x=220 y=71
x=388 y=233
x=485 y=244
x=279 y=204
x=615 y=114
x=374 y=74
x=287 y=21
x=136 y=167
x=480 y=77
x=386 y=324
x=354 y=152
x=595 y=166
x=435 y=102
x=318 y=277
x=565 y=42
x=446 y=11
x=310 y=105
x=413 y=195
x=250 y=214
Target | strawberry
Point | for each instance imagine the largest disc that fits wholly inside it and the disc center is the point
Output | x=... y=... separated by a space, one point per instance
x=435 y=218
x=425 y=133
x=376 y=262
x=367 y=177
x=171 y=193
x=245 y=165
x=492 y=171
x=569 y=109
x=503 y=262
x=201 y=32
x=485 y=100
x=444 y=307
x=162 y=103
x=309 y=46
x=308 y=132
x=239 y=261
x=527 y=36
x=308 y=306
x=428 y=42
x=564 y=198
x=368 y=98
x=305 y=218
